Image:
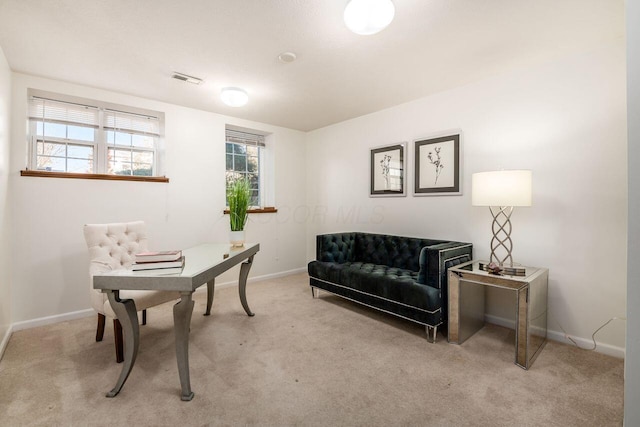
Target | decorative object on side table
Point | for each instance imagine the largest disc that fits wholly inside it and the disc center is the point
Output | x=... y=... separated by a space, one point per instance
x=493 y=268
x=437 y=166
x=387 y=171
x=501 y=191
x=502 y=270
x=238 y=197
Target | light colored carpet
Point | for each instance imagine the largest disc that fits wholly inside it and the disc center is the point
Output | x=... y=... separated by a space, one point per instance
x=301 y=361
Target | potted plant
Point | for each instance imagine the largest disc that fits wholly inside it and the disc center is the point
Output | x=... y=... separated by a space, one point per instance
x=239 y=196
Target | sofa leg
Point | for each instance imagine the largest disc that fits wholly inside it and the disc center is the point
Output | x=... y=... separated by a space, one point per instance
x=435 y=333
x=313 y=292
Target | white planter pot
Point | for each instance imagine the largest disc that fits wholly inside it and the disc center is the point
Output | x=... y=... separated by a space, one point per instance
x=236 y=238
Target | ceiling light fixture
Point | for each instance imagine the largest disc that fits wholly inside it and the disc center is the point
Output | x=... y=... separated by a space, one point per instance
x=234 y=96
x=287 y=57
x=368 y=17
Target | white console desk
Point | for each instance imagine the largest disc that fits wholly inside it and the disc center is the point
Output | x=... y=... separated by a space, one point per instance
x=202 y=264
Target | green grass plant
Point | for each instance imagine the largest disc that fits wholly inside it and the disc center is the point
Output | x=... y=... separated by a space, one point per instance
x=239 y=196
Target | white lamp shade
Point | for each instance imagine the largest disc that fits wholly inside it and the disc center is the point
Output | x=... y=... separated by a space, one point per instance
x=234 y=96
x=368 y=17
x=501 y=188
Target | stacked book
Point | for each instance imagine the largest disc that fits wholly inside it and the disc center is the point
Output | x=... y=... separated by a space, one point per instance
x=162 y=262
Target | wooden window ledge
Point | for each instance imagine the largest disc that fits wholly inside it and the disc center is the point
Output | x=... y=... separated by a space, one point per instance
x=47 y=174
x=266 y=209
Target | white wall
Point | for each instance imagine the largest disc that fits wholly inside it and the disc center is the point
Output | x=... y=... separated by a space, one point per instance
x=50 y=261
x=632 y=367
x=5 y=278
x=566 y=121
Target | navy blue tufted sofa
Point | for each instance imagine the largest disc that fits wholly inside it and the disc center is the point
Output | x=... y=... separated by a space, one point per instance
x=404 y=276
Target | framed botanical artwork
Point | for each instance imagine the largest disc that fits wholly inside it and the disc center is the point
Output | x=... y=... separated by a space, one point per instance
x=437 y=166
x=388 y=170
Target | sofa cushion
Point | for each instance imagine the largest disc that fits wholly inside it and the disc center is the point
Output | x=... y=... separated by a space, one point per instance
x=393 y=251
x=327 y=271
x=391 y=283
x=337 y=247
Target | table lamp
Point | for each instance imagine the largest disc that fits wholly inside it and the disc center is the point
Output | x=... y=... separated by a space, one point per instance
x=502 y=191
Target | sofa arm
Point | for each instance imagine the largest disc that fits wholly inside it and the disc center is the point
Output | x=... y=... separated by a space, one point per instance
x=434 y=300
x=338 y=247
x=435 y=259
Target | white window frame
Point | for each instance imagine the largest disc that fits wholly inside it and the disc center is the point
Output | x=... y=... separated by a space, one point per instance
x=62 y=141
x=250 y=137
x=100 y=144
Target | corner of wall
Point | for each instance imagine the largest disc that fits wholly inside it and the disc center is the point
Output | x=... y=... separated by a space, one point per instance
x=5 y=341
x=5 y=253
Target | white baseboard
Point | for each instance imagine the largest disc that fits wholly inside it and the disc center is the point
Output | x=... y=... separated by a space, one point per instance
x=552 y=335
x=42 y=321
x=257 y=278
x=277 y=275
x=607 y=349
x=5 y=340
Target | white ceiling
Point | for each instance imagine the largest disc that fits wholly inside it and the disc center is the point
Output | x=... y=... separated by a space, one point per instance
x=133 y=46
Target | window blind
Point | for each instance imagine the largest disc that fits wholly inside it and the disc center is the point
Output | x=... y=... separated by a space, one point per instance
x=131 y=123
x=47 y=110
x=246 y=138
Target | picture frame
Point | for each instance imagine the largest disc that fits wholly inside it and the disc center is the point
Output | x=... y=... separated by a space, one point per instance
x=387 y=171
x=437 y=162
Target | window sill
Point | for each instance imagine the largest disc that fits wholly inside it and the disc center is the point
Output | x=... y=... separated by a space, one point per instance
x=45 y=174
x=266 y=209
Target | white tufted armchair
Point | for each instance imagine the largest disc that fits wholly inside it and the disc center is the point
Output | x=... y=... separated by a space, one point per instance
x=113 y=247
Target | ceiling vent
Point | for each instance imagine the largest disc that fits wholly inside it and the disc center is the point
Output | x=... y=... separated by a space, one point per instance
x=186 y=78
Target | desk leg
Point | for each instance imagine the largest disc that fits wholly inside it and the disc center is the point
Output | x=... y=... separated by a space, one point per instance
x=182 y=312
x=210 y=288
x=126 y=312
x=242 y=284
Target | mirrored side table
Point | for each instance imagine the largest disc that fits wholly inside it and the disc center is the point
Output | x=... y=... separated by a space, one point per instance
x=467 y=286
